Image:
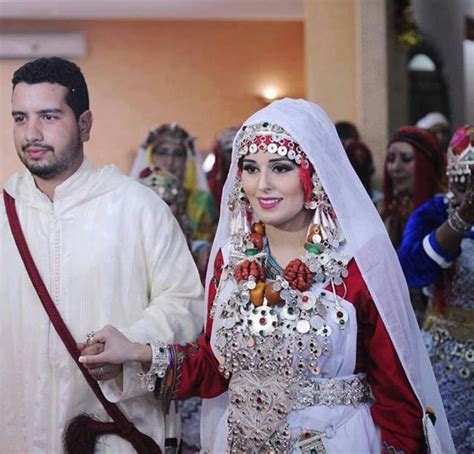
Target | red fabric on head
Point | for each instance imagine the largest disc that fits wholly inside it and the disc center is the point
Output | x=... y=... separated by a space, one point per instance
x=305 y=176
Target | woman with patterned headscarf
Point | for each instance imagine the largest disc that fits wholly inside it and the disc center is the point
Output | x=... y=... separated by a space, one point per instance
x=413 y=168
x=171 y=147
x=438 y=251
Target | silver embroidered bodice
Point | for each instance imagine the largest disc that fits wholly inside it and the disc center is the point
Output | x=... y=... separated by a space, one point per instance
x=276 y=369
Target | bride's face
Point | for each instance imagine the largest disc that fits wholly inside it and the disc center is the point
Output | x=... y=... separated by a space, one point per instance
x=273 y=187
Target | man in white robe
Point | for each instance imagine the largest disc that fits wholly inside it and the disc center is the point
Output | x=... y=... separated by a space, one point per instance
x=108 y=250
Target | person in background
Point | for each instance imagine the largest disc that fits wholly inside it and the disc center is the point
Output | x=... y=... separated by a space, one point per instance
x=413 y=173
x=170 y=190
x=171 y=147
x=438 y=125
x=347 y=131
x=438 y=251
x=222 y=151
x=362 y=162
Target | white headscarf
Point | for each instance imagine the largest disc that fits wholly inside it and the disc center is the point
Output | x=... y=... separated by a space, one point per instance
x=432 y=119
x=367 y=238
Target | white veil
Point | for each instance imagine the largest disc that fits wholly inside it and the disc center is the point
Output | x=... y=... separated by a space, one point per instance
x=366 y=236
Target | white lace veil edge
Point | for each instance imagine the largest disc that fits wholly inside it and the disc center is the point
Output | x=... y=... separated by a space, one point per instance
x=367 y=238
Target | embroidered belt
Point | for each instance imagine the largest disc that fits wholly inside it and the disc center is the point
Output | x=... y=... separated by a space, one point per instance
x=333 y=391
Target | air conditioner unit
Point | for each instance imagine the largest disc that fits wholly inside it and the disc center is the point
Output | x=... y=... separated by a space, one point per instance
x=34 y=45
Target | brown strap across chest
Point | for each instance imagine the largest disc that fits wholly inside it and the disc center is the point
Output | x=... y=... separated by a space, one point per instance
x=121 y=425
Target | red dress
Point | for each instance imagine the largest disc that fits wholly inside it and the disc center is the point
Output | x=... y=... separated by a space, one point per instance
x=396 y=409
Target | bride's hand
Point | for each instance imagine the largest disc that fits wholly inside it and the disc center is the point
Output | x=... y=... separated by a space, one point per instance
x=117 y=349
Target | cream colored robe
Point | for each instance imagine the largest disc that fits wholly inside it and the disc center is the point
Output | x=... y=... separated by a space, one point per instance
x=110 y=252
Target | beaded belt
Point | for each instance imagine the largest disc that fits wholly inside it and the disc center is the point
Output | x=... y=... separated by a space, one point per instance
x=332 y=392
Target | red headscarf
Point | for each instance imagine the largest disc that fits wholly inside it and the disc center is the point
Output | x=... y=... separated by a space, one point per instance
x=427 y=179
x=429 y=165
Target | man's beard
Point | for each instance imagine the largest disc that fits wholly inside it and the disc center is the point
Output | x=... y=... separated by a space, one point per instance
x=56 y=163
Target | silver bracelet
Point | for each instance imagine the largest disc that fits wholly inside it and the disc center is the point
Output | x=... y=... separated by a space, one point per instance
x=458 y=224
x=160 y=361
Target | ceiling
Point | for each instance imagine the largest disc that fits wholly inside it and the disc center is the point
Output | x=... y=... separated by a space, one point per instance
x=153 y=9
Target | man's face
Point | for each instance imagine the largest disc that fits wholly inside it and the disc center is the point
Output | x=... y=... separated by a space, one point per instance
x=48 y=137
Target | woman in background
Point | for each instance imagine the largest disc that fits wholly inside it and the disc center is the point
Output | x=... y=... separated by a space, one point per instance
x=413 y=173
x=438 y=251
x=171 y=147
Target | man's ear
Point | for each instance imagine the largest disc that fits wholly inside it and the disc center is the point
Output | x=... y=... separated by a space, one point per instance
x=85 y=125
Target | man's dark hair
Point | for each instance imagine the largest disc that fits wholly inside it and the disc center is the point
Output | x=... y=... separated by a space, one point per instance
x=346 y=130
x=57 y=70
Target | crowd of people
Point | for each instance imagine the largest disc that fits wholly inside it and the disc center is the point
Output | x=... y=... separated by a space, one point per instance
x=250 y=310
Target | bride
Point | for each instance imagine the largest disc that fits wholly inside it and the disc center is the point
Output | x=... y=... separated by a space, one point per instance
x=311 y=345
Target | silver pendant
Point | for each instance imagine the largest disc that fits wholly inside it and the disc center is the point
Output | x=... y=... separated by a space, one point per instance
x=340 y=316
x=263 y=320
x=303 y=326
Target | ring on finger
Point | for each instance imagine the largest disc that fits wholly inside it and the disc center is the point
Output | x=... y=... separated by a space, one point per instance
x=90 y=337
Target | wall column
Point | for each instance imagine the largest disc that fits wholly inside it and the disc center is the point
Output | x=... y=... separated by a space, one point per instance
x=346 y=66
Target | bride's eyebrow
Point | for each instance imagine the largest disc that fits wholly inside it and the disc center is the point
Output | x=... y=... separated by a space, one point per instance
x=281 y=160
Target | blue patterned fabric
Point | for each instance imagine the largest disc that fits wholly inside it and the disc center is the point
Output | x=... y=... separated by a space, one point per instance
x=424 y=262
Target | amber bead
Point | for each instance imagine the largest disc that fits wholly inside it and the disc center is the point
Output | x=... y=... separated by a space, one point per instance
x=258 y=227
x=272 y=296
x=257 y=294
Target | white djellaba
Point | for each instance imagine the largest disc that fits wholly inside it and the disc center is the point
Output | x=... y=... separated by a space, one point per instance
x=369 y=244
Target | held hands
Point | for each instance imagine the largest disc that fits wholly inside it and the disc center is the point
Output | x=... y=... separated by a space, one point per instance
x=107 y=349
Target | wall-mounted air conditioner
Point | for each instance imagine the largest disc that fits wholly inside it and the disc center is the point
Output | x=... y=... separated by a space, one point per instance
x=35 y=45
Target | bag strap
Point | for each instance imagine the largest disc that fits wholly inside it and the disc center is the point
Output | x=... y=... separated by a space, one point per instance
x=128 y=431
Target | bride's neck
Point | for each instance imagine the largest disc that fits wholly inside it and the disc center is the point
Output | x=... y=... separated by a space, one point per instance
x=286 y=245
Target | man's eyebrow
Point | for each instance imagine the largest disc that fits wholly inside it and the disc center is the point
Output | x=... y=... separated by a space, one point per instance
x=52 y=110
x=41 y=112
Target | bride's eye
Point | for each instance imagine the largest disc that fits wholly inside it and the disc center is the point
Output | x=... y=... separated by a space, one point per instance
x=282 y=168
x=249 y=167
